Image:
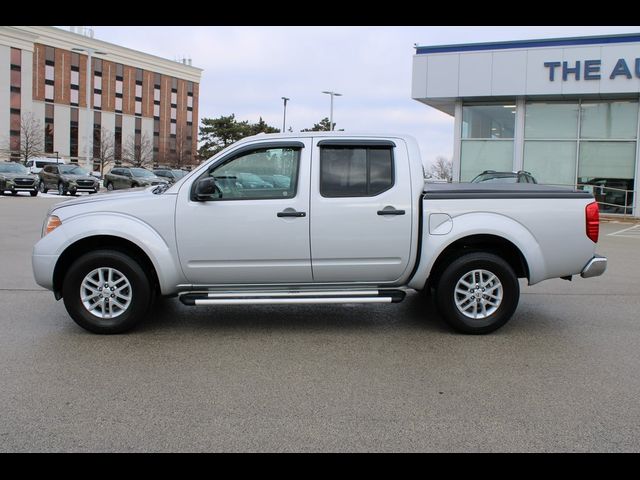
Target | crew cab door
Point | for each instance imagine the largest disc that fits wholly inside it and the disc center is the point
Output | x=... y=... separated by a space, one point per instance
x=360 y=210
x=255 y=230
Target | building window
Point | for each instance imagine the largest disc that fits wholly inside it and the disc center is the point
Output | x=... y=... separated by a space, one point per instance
x=138 y=107
x=174 y=112
x=173 y=129
x=487 y=139
x=189 y=117
x=118 y=104
x=48 y=128
x=156 y=111
x=117 y=139
x=74 y=83
x=73 y=133
x=97 y=83
x=15 y=99
x=97 y=135
x=49 y=73
x=591 y=144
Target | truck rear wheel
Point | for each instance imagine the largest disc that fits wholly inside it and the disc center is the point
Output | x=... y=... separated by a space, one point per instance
x=106 y=292
x=477 y=293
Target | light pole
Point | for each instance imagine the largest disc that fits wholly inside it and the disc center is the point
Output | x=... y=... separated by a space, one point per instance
x=89 y=143
x=284 y=117
x=333 y=94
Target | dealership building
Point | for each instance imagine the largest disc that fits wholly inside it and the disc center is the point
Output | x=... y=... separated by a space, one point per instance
x=565 y=110
x=124 y=103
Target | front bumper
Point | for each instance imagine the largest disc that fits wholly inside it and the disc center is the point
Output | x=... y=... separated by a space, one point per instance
x=595 y=267
x=43 y=267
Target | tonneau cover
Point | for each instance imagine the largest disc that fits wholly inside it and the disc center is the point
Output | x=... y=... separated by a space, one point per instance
x=499 y=190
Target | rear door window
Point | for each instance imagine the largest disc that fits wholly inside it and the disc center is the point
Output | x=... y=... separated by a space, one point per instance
x=353 y=171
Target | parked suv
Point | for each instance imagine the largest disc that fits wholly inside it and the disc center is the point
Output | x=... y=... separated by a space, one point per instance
x=172 y=175
x=131 y=177
x=504 y=177
x=16 y=178
x=67 y=179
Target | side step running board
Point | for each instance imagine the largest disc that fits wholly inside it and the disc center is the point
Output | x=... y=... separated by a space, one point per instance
x=292 y=297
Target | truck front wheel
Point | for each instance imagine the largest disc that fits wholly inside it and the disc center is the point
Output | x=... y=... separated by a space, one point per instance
x=107 y=291
x=477 y=293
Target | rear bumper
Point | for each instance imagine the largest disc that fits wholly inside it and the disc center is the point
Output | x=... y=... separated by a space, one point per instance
x=595 y=267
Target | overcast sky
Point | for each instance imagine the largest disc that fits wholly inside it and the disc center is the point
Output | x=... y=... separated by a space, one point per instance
x=248 y=69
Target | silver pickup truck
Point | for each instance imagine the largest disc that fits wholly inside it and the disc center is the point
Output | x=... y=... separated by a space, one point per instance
x=314 y=218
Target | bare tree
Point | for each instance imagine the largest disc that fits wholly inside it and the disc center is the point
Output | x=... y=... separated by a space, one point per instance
x=441 y=169
x=138 y=155
x=104 y=149
x=31 y=139
x=183 y=154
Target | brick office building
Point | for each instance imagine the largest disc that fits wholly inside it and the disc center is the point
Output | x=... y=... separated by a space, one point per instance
x=139 y=102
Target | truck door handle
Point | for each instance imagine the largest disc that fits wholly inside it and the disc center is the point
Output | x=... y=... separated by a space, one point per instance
x=391 y=211
x=291 y=213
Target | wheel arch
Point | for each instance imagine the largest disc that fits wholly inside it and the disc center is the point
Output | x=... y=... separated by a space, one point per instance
x=488 y=243
x=97 y=242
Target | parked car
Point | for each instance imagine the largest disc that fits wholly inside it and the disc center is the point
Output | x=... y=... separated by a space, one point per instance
x=15 y=178
x=172 y=175
x=504 y=177
x=131 y=177
x=349 y=228
x=67 y=179
x=35 y=164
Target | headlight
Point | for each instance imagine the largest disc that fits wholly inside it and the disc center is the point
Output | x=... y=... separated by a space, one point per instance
x=52 y=223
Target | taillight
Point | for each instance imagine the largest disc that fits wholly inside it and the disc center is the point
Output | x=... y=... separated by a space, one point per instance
x=592 y=217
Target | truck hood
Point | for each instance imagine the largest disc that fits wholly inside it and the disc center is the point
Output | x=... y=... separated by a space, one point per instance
x=116 y=201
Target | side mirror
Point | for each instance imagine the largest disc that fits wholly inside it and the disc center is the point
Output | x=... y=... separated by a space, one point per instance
x=206 y=189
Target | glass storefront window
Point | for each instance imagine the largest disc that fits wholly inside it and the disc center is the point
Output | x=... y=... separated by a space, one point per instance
x=551 y=162
x=608 y=170
x=488 y=121
x=609 y=120
x=551 y=120
x=479 y=155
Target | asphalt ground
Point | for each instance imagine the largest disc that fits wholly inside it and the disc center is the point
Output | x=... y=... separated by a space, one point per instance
x=562 y=375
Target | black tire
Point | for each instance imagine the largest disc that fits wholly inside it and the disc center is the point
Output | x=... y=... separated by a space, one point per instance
x=446 y=293
x=43 y=188
x=34 y=193
x=110 y=186
x=61 y=189
x=14 y=193
x=142 y=294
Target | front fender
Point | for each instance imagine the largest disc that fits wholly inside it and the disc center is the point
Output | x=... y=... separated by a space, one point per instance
x=49 y=249
x=480 y=223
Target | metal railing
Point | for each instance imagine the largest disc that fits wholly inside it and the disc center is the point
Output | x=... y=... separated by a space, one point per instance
x=605 y=195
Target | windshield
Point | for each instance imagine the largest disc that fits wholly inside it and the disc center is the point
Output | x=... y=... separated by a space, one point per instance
x=178 y=173
x=141 y=172
x=72 y=170
x=12 y=168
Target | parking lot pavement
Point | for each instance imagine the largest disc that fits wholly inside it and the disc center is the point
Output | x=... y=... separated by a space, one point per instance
x=562 y=375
